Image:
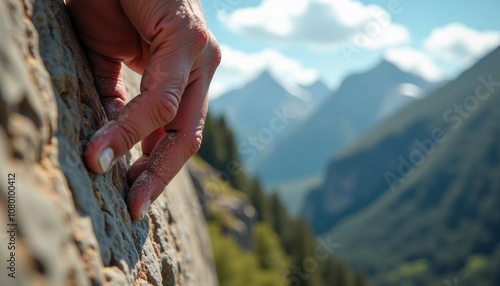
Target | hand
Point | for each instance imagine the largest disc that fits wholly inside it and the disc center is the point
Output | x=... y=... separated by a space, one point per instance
x=167 y=42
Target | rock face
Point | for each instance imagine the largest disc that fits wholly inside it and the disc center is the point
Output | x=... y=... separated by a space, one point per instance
x=73 y=227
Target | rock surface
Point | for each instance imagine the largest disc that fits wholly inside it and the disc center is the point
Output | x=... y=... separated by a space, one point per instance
x=73 y=227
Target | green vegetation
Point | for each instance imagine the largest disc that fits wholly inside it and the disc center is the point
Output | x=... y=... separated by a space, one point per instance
x=267 y=246
x=284 y=249
x=409 y=270
x=219 y=150
x=237 y=267
x=475 y=264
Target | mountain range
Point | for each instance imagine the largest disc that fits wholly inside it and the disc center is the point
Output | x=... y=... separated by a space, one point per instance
x=361 y=101
x=251 y=109
x=416 y=200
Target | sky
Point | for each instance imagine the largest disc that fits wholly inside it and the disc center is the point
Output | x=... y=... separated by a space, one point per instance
x=302 y=41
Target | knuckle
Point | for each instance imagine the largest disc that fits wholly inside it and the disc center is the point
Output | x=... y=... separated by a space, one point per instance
x=213 y=55
x=216 y=55
x=168 y=104
x=195 y=143
x=199 y=38
x=200 y=35
x=128 y=132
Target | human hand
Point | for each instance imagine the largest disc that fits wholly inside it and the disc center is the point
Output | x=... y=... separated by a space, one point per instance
x=168 y=42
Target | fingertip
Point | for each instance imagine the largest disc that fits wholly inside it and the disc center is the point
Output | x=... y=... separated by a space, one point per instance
x=100 y=154
x=92 y=154
x=145 y=208
x=145 y=190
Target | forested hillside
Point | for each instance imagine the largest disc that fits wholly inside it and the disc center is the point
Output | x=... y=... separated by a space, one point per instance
x=417 y=200
x=284 y=250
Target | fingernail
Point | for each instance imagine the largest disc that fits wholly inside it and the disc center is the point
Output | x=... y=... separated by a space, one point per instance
x=106 y=158
x=145 y=208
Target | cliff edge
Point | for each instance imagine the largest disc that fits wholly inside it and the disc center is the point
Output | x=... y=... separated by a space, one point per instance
x=59 y=223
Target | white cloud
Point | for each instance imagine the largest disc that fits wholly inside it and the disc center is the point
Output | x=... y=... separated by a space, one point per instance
x=415 y=61
x=318 y=23
x=447 y=51
x=458 y=43
x=238 y=68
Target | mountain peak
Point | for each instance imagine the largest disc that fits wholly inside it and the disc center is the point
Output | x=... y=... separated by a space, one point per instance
x=387 y=65
x=318 y=84
x=265 y=76
x=389 y=68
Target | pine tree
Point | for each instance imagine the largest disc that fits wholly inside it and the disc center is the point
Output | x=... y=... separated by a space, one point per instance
x=281 y=221
x=259 y=201
x=267 y=246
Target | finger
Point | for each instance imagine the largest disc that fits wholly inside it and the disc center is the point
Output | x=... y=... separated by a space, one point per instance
x=109 y=82
x=109 y=39
x=103 y=27
x=163 y=83
x=182 y=140
x=149 y=143
x=137 y=169
x=147 y=146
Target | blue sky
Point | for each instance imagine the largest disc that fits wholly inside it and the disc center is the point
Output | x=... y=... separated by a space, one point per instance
x=301 y=41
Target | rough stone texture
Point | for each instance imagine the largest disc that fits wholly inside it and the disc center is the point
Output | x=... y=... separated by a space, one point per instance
x=73 y=226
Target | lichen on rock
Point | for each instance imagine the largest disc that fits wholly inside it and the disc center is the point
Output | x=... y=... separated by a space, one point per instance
x=73 y=226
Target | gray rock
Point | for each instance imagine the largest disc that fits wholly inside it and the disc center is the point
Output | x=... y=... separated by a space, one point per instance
x=73 y=227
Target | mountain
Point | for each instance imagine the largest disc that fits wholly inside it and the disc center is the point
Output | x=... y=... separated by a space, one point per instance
x=360 y=101
x=315 y=93
x=415 y=202
x=251 y=109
